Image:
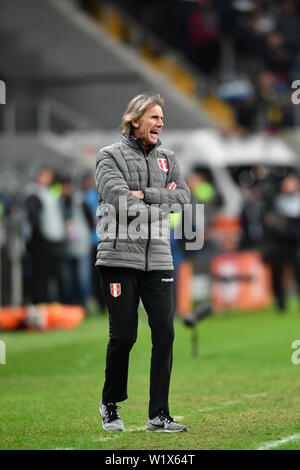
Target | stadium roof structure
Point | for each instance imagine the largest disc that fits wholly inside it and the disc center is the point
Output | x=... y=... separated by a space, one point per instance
x=50 y=48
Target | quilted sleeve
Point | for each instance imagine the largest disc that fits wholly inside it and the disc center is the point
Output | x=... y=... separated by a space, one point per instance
x=113 y=188
x=180 y=196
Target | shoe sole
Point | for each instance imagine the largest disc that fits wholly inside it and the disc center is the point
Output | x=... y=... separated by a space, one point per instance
x=113 y=430
x=165 y=430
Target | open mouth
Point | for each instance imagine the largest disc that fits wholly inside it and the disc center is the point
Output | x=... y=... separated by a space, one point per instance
x=154 y=132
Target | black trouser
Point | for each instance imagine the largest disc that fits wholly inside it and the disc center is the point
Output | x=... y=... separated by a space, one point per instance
x=155 y=289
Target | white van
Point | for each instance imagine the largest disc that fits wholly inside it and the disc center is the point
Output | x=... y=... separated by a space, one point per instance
x=222 y=158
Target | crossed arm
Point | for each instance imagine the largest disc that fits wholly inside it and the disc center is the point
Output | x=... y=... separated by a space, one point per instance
x=111 y=185
x=141 y=194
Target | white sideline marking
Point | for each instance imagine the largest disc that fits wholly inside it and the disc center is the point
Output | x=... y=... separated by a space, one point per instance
x=136 y=428
x=271 y=445
x=106 y=438
x=179 y=418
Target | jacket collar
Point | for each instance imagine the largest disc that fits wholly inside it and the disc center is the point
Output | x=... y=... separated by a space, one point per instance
x=132 y=141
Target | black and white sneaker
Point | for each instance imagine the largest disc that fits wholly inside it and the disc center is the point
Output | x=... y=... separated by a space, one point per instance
x=111 y=420
x=164 y=423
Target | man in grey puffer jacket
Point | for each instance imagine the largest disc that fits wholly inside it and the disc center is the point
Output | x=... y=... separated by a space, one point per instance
x=138 y=185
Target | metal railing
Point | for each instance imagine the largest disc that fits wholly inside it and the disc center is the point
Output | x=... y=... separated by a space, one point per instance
x=44 y=115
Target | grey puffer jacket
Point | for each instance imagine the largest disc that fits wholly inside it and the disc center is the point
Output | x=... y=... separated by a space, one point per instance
x=134 y=233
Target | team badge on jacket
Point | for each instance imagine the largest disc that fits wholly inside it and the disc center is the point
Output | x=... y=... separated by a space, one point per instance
x=115 y=289
x=163 y=164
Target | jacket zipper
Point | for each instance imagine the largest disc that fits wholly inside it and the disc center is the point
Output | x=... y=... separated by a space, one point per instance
x=117 y=230
x=149 y=225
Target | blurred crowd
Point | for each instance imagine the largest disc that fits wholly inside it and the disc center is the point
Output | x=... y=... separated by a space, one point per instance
x=263 y=54
x=249 y=47
x=56 y=224
x=268 y=223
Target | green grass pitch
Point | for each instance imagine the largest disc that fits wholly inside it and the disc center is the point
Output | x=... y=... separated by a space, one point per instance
x=240 y=392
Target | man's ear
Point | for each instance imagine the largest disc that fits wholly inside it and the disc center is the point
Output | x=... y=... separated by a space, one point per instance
x=136 y=124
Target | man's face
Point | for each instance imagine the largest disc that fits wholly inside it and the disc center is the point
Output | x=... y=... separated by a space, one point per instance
x=290 y=184
x=149 y=126
x=45 y=177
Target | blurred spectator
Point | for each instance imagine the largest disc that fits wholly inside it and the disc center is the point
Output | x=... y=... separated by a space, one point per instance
x=203 y=36
x=282 y=242
x=249 y=34
x=236 y=88
x=295 y=67
x=289 y=24
x=252 y=219
x=76 y=264
x=203 y=192
x=46 y=233
x=264 y=18
x=189 y=225
x=278 y=57
x=239 y=91
x=244 y=6
x=273 y=98
x=227 y=16
x=91 y=200
x=260 y=177
x=241 y=37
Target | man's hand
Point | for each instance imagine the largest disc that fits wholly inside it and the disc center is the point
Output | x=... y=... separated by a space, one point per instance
x=138 y=194
x=172 y=185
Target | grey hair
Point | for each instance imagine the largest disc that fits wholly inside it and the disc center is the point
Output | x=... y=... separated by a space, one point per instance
x=137 y=106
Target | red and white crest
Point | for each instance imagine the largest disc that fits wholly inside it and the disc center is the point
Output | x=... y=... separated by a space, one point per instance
x=163 y=164
x=115 y=289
